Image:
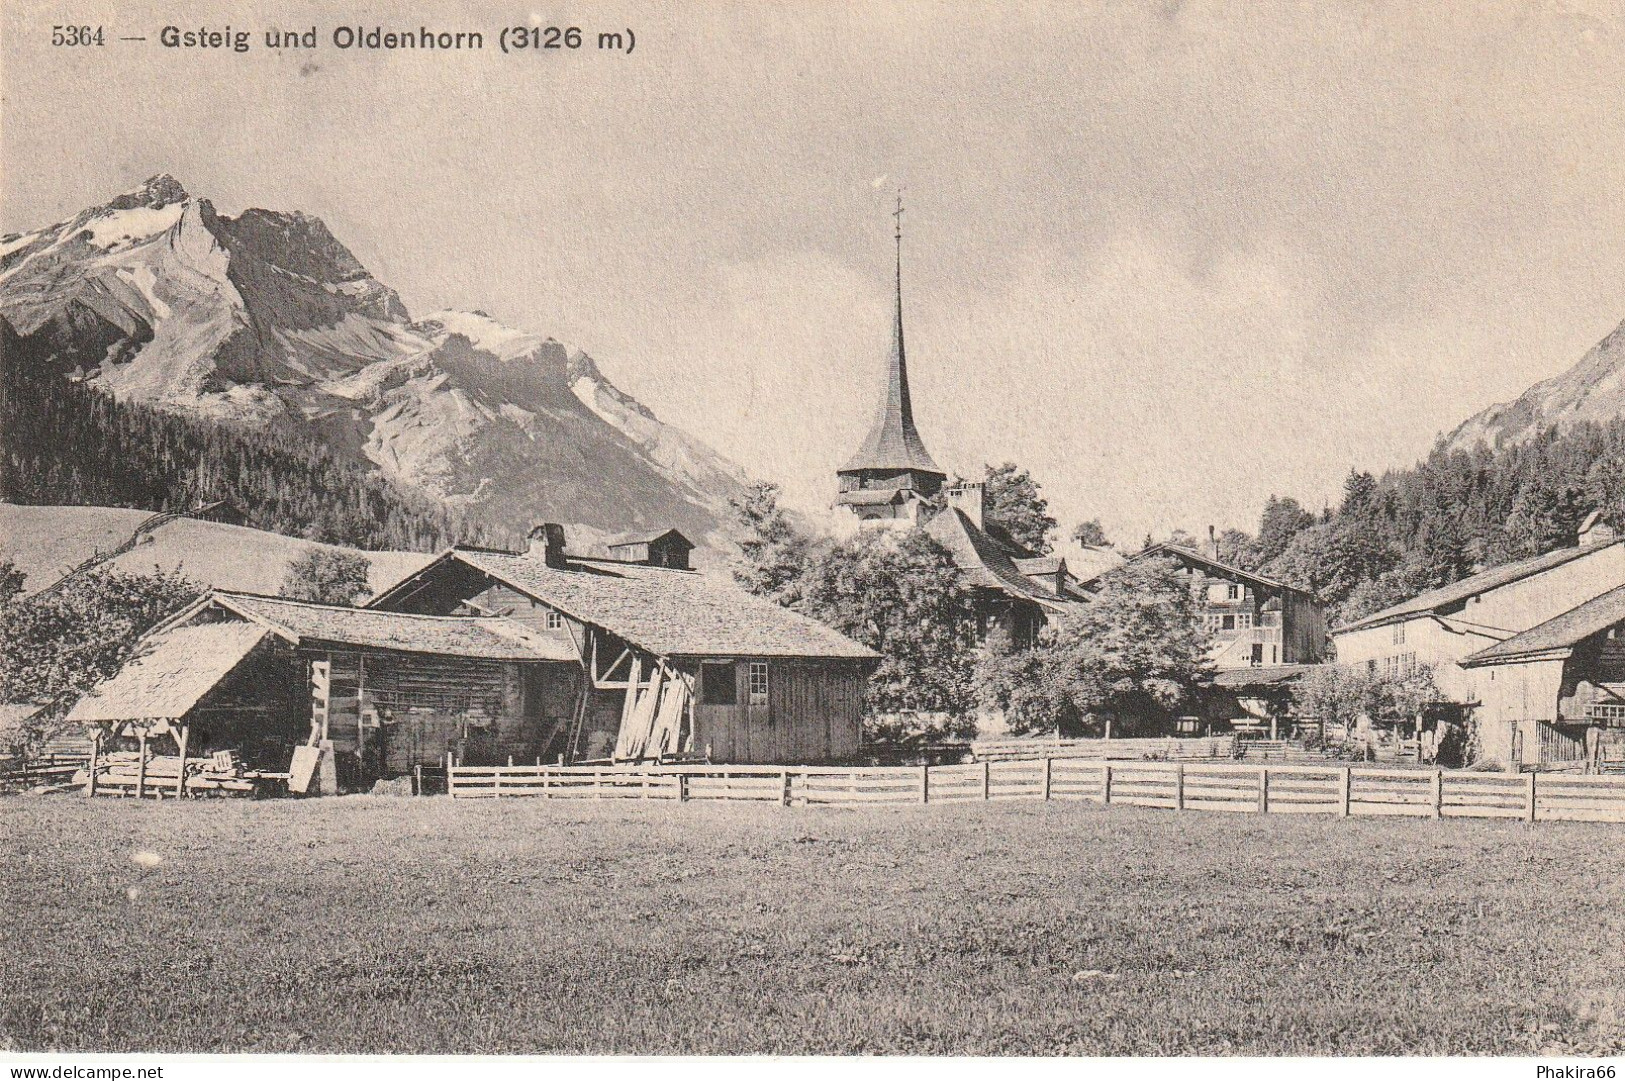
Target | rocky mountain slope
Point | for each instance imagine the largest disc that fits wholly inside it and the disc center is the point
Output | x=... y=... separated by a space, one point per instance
x=267 y=319
x=1592 y=390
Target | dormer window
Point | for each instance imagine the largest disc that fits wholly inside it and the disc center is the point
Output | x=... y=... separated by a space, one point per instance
x=554 y=620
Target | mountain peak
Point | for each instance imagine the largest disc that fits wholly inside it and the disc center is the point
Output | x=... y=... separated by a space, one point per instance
x=1593 y=390
x=156 y=192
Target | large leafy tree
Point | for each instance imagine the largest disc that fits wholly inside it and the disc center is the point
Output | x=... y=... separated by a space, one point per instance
x=327 y=576
x=1090 y=534
x=1343 y=695
x=901 y=595
x=56 y=646
x=1133 y=657
x=1238 y=549
x=773 y=554
x=1282 y=520
x=1015 y=503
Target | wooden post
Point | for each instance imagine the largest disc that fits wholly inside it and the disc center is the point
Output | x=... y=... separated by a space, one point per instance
x=1047 y=763
x=496 y=783
x=987 y=778
x=682 y=788
x=1345 y=784
x=180 y=779
x=925 y=783
x=95 y=762
x=597 y=784
x=785 y=777
x=1438 y=793
x=1106 y=782
x=510 y=761
x=1263 y=790
x=141 y=769
x=1531 y=796
x=1179 y=786
x=417 y=779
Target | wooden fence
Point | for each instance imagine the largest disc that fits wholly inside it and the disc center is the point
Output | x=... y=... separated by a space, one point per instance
x=1183 y=786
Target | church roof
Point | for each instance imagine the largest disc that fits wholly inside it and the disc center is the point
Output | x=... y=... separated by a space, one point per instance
x=893 y=443
x=982 y=560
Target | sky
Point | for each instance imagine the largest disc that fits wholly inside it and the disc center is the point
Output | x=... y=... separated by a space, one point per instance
x=1171 y=257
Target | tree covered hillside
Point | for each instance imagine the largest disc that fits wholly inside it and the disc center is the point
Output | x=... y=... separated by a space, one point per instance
x=67 y=443
x=1454 y=513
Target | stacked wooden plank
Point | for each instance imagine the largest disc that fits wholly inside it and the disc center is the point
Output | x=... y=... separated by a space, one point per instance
x=119 y=773
x=1169 y=749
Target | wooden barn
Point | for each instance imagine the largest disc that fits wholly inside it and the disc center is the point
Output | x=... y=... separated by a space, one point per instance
x=1554 y=695
x=386 y=691
x=672 y=663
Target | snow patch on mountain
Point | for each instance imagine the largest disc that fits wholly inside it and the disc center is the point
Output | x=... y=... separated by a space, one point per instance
x=267 y=319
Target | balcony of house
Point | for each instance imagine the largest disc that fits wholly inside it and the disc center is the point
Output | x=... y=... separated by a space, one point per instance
x=1239 y=643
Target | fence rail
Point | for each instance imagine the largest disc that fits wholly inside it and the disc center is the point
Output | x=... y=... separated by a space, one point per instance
x=1201 y=786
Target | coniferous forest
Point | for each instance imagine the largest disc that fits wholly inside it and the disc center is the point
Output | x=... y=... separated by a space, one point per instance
x=1456 y=512
x=69 y=443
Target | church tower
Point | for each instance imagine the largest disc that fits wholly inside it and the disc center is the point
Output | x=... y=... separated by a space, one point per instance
x=892 y=480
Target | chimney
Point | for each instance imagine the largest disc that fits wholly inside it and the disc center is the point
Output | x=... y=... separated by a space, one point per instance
x=547 y=542
x=971 y=498
x=1212 y=544
x=1594 y=531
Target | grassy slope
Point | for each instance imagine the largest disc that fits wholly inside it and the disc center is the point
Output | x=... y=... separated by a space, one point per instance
x=46 y=541
x=379 y=925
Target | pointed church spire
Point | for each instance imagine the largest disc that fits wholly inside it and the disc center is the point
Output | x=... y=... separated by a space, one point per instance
x=893 y=443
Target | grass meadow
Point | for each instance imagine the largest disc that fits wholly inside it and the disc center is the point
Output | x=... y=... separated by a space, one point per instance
x=389 y=925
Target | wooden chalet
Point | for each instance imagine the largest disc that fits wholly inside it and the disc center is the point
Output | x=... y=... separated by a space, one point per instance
x=384 y=691
x=668 y=662
x=667 y=549
x=1254 y=621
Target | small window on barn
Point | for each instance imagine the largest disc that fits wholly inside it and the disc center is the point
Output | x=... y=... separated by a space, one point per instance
x=758 y=683
x=717 y=686
x=555 y=620
x=1232 y=593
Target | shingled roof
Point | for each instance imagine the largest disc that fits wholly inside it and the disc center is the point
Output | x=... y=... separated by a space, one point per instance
x=982 y=560
x=484 y=638
x=1179 y=551
x=671 y=613
x=1446 y=597
x=1561 y=633
x=171 y=674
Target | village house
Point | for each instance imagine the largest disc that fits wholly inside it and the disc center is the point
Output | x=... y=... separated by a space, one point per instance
x=494 y=656
x=668 y=661
x=384 y=691
x=1254 y=621
x=892 y=482
x=1443 y=627
x=1264 y=634
x=1555 y=694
